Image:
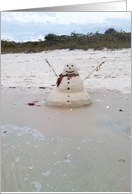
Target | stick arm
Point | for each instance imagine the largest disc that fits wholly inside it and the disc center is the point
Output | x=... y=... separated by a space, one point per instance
x=96 y=69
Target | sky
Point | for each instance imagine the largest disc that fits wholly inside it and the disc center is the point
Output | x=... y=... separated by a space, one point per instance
x=32 y=26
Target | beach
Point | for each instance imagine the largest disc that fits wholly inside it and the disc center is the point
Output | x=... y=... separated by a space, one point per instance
x=56 y=149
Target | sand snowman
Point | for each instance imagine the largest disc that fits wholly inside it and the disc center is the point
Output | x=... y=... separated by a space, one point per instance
x=69 y=91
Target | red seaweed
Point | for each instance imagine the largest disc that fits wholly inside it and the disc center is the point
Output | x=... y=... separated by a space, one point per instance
x=34 y=103
x=41 y=87
x=121 y=160
x=12 y=87
x=31 y=104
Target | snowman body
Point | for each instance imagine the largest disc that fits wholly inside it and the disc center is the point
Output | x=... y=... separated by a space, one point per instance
x=70 y=90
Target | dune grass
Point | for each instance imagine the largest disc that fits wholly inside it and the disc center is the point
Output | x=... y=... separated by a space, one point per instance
x=96 y=41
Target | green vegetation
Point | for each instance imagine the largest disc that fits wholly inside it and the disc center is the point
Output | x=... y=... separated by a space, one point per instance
x=111 y=39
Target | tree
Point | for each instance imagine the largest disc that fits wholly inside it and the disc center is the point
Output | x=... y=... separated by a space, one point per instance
x=50 y=37
x=110 y=31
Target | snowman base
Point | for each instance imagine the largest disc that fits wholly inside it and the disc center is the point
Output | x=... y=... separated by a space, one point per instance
x=62 y=99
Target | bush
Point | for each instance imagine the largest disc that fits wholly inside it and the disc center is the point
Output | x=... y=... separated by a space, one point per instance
x=72 y=47
x=111 y=39
x=110 y=31
x=51 y=38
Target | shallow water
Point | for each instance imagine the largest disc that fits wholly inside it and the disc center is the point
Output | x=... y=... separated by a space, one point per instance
x=31 y=161
x=84 y=149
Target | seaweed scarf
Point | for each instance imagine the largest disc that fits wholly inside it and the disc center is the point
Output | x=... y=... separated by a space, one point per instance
x=67 y=75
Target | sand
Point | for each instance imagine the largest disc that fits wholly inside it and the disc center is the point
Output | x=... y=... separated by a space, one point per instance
x=50 y=149
x=30 y=70
x=65 y=149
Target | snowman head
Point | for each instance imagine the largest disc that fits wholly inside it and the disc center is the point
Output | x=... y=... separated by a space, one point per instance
x=70 y=69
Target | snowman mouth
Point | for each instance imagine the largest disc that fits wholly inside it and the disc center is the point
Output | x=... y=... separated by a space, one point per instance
x=70 y=71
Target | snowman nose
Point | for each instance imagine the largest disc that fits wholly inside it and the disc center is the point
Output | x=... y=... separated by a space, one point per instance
x=69 y=67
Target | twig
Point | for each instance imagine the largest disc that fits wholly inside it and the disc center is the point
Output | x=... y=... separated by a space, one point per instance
x=96 y=69
x=51 y=67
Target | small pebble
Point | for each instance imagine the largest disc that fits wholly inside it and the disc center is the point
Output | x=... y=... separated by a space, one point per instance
x=107 y=107
x=30 y=168
x=71 y=110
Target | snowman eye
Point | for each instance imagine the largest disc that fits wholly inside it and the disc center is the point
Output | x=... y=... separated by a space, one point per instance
x=67 y=65
x=72 y=65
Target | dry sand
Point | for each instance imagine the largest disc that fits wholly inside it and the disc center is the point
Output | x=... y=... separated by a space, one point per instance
x=84 y=149
x=29 y=70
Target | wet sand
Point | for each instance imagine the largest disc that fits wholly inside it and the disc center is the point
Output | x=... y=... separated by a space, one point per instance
x=46 y=149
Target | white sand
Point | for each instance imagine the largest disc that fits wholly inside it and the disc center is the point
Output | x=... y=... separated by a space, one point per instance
x=84 y=149
x=30 y=70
